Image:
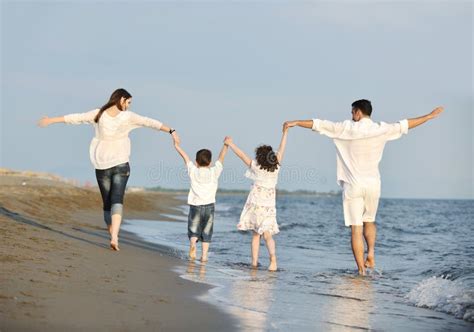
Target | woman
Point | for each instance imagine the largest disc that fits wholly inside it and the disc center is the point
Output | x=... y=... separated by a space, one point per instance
x=110 y=151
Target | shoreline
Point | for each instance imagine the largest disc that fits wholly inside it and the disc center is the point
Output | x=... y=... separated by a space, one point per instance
x=331 y=285
x=57 y=270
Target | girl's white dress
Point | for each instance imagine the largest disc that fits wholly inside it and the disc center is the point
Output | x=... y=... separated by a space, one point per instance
x=259 y=213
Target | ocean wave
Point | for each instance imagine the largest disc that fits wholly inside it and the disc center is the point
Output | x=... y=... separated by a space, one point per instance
x=284 y=226
x=224 y=207
x=405 y=230
x=442 y=294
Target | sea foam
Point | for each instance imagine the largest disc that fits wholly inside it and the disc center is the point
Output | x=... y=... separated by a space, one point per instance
x=442 y=294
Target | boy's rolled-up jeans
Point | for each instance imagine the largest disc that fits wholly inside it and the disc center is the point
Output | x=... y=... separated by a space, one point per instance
x=112 y=182
x=201 y=222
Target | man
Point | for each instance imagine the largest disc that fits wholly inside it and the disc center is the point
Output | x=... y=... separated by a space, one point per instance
x=359 y=145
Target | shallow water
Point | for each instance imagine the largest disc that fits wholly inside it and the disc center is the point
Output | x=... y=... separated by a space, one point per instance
x=424 y=278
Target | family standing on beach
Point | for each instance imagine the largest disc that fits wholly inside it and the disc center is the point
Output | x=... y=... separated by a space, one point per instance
x=359 y=145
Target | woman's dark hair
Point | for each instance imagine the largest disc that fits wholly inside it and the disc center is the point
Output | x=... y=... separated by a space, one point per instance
x=204 y=157
x=363 y=105
x=114 y=100
x=266 y=158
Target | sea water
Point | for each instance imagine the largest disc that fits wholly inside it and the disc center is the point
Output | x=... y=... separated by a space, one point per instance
x=424 y=278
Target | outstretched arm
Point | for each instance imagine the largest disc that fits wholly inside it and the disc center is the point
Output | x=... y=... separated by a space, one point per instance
x=167 y=129
x=299 y=123
x=75 y=119
x=247 y=161
x=223 y=152
x=415 y=122
x=178 y=148
x=45 y=121
x=281 y=149
x=324 y=127
x=143 y=121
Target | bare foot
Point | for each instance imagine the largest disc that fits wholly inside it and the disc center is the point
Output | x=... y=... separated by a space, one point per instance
x=273 y=264
x=192 y=252
x=114 y=245
x=362 y=272
x=204 y=259
x=370 y=262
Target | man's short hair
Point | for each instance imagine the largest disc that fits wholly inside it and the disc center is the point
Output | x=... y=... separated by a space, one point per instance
x=363 y=105
x=203 y=157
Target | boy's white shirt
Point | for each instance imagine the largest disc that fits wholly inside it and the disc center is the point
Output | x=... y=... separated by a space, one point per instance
x=204 y=182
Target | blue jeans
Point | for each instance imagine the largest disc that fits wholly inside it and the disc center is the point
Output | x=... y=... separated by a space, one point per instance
x=201 y=222
x=112 y=182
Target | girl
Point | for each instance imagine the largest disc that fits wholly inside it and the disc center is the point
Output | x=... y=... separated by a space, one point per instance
x=259 y=213
x=110 y=151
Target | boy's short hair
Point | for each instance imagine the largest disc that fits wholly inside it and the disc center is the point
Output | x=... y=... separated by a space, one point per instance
x=203 y=157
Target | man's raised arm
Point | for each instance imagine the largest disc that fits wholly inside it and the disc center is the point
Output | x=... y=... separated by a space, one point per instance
x=298 y=123
x=415 y=122
x=324 y=127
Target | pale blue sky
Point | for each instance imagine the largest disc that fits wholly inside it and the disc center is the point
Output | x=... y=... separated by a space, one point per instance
x=211 y=69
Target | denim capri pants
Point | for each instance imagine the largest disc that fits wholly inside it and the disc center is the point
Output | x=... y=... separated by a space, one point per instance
x=112 y=182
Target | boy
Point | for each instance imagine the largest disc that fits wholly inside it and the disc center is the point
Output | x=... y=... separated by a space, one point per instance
x=202 y=196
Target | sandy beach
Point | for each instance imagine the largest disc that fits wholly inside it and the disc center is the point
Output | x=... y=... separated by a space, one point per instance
x=57 y=272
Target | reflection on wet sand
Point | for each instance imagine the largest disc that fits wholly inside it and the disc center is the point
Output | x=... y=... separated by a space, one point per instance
x=350 y=303
x=250 y=295
x=196 y=272
x=252 y=298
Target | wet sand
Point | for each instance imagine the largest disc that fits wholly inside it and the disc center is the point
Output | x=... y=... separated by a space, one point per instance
x=57 y=272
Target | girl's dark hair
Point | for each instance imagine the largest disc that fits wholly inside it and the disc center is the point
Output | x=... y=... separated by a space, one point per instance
x=266 y=158
x=113 y=100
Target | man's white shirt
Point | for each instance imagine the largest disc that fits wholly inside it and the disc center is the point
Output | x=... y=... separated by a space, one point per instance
x=360 y=147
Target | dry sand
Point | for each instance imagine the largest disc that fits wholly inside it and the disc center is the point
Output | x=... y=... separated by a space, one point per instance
x=58 y=274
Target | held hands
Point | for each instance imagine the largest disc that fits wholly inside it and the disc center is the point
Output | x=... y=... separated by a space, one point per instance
x=44 y=122
x=436 y=112
x=288 y=124
x=176 y=139
x=228 y=140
